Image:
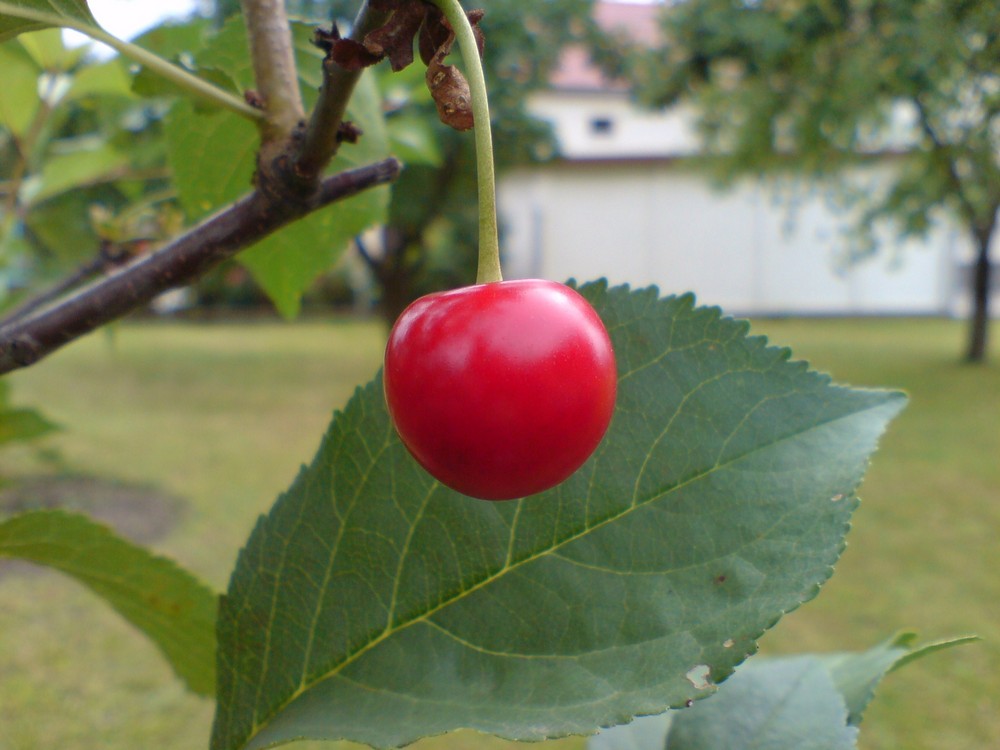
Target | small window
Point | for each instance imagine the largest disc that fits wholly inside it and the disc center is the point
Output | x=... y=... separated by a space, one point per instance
x=602 y=126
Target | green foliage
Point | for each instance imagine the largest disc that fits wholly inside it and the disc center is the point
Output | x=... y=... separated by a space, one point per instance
x=815 y=86
x=791 y=704
x=77 y=138
x=856 y=675
x=20 y=95
x=373 y=604
x=20 y=424
x=213 y=156
x=19 y=16
x=810 y=702
x=170 y=606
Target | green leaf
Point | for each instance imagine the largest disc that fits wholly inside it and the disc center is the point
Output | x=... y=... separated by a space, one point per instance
x=857 y=675
x=414 y=140
x=95 y=162
x=172 y=39
x=19 y=101
x=20 y=424
x=109 y=78
x=228 y=50
x=63 y=227
x=168 y=604
x=23 y=424
x=177 y=42
x=46 y=48
x=286 y=263
x=19 y=16
x=854 y=675
x=375 y=605
x=211 y=155
x=786 y=704
x=644 y=733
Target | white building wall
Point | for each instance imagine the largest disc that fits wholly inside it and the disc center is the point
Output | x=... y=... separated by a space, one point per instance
x=621 y=203
x=743 y=249
x=606 y=125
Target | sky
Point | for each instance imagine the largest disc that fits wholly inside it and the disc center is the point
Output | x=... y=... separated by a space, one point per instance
x=127 y=18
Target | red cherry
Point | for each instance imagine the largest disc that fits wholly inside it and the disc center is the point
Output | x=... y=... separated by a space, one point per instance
x=500 y=390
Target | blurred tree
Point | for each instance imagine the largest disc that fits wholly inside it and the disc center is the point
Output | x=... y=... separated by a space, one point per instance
x=429 y=242
x=817 y=85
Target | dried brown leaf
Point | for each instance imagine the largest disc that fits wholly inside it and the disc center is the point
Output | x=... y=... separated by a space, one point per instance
x=395 y=39
x=451 y=93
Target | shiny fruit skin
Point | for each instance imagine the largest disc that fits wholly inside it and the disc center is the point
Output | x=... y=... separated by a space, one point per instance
x=500 y=390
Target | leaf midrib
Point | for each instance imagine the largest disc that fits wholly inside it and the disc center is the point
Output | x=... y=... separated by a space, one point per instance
x=509 y=566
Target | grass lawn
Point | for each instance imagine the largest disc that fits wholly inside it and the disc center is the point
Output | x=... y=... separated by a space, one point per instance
x=222 y=415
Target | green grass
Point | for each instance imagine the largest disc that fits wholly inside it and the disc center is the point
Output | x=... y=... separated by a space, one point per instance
x=223 y=415
x=924 y=552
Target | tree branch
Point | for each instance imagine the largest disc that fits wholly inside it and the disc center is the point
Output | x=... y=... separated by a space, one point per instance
x=274 y=67
x=88 y=270
x=26 y=340
x=944 y=151
x=320 y=142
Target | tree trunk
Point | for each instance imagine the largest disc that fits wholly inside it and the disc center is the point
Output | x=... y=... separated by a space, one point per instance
x=394 y=273
x=981 y=282
x=396 y=277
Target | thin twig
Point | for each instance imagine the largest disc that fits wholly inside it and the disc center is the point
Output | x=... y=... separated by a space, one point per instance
x=47 y=296
x=217 y=238
x=944 y=151
x=274 y=68
x=320 y=142
x=160 y=66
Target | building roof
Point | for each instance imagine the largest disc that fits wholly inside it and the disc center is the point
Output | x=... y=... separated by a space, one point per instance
x=635 y=21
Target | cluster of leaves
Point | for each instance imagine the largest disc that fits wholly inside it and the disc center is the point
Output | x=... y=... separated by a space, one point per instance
x=90 y=163
x=824 y=83
x=212 y=153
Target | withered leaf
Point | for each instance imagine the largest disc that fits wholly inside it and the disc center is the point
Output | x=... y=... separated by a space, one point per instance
x=436 y=33
x=447 y=85
x=395 y=38
x=451 y=93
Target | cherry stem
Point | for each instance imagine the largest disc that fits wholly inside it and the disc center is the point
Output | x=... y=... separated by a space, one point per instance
x=489 y=243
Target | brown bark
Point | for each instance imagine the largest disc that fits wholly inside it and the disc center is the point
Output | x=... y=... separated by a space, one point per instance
x=981 y=282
